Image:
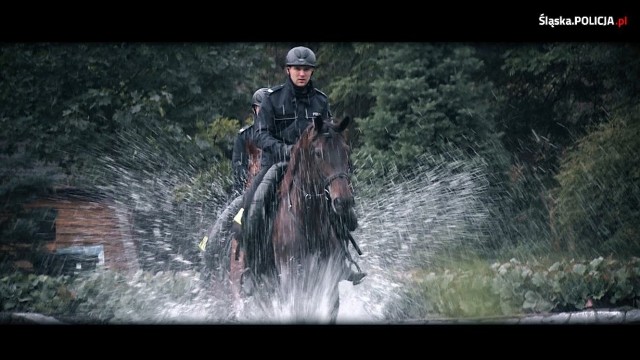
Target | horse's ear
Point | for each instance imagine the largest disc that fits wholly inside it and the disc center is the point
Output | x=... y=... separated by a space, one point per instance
x=343 y=124
x=318 y=123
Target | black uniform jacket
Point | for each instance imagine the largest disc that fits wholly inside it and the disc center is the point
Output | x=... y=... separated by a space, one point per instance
x=284 y=116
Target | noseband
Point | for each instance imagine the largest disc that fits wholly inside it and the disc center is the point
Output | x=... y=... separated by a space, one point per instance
x=327 y=182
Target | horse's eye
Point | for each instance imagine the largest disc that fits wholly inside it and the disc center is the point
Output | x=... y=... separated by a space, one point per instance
x=318 y=153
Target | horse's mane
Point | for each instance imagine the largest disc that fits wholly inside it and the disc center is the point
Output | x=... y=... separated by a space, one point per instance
x=308 y=135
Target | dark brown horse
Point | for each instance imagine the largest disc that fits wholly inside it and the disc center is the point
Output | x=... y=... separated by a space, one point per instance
x=303 y=248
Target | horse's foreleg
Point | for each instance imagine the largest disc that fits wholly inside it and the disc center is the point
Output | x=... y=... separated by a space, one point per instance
x=236 y=269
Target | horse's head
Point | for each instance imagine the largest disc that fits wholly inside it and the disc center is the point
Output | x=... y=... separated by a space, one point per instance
x=324 y=152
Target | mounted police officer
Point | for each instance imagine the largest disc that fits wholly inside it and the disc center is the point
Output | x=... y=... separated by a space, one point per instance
x=285 y=113
x=290 y=108
x=240 y=156
x=241 y=162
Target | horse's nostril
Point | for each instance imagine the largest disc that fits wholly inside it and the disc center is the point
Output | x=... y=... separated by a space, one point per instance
x=344 y=208
x=342 y=204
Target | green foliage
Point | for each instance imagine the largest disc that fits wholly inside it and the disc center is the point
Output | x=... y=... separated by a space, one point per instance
x=22 y=179
x=100 y=296
x=515 y=288
x=429 y=99
x=36 y=293
x=65 y=98
x=598 y=197
x=547 y=96
x=153 y=125
x=28 y=226
x=476 y=289
x=351 y=68
x=557 y=91
x=219 y=134
x=115 y=298
x=214 y=183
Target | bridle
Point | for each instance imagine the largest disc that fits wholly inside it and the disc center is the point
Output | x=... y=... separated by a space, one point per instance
x=327 y=182
x=325 y=188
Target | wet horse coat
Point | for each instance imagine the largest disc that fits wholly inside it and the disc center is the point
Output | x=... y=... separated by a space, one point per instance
x=313 y=200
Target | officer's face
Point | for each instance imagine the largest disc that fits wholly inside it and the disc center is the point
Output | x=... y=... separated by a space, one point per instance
x=300 y=75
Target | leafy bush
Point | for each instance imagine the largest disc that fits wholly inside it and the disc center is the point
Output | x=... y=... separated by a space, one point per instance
x=598 y=197
x=117 y=298
x=36 y=293
x=515 y=288
x=103 y=296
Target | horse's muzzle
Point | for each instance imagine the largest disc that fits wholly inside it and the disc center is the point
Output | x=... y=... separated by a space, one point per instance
x=344 y=209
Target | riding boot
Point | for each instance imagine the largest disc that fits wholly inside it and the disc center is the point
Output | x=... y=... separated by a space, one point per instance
x=354 y=277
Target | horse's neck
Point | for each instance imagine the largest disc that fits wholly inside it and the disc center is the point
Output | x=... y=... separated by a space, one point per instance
x=308 y=212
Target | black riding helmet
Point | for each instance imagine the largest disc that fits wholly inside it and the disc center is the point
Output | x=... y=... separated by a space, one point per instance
x=301 y=56
x=258 y=96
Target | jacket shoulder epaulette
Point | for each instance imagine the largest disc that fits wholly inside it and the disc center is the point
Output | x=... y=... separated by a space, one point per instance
x=244 y=128
x=275 y=88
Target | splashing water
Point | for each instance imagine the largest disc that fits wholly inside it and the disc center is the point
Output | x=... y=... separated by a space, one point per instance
x=402 y=226
x=306 y=301
x=405 y=225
